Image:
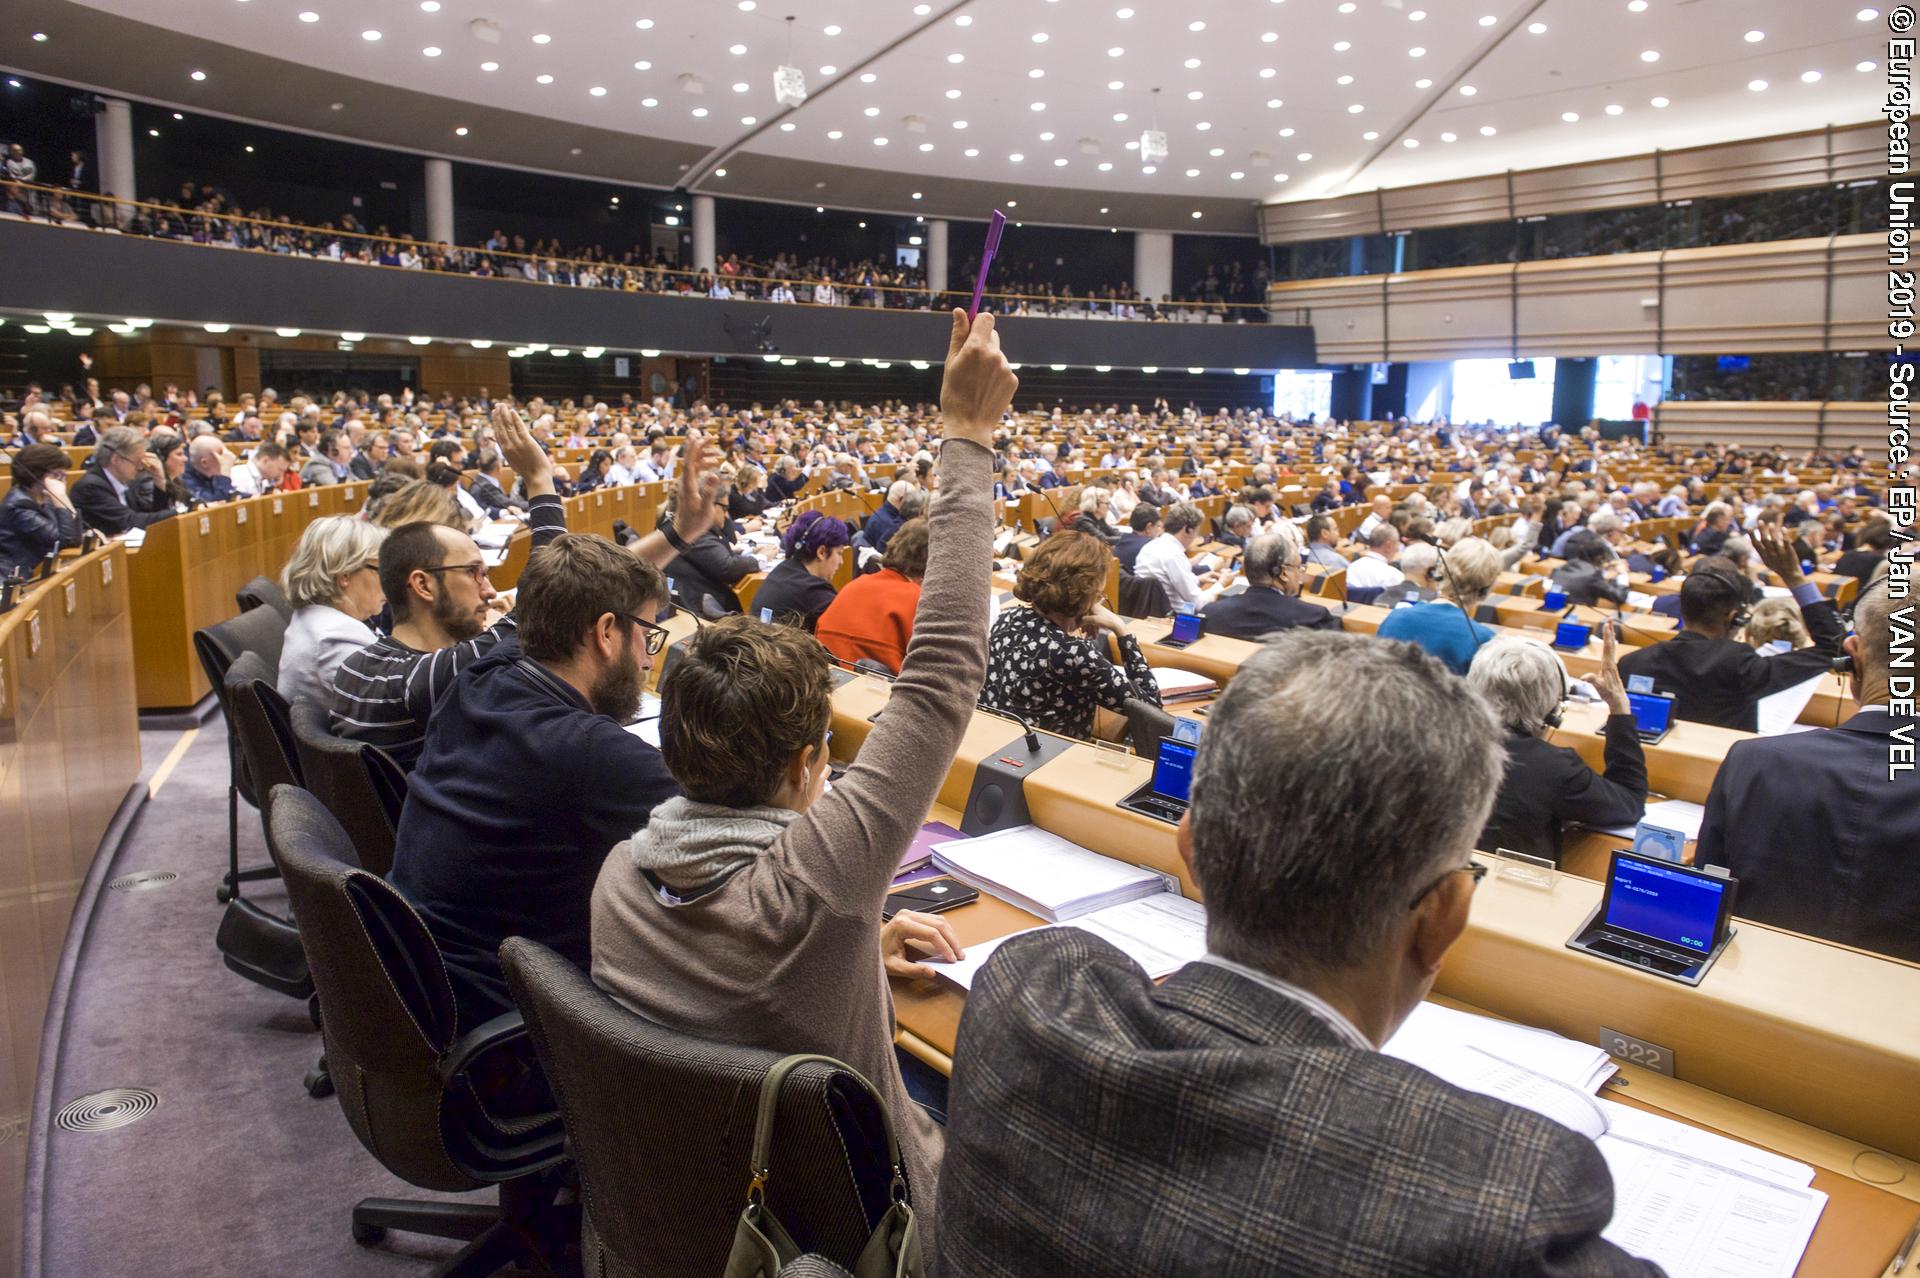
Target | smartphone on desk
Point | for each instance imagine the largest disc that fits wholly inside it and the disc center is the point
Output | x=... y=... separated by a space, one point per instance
x=935 y=896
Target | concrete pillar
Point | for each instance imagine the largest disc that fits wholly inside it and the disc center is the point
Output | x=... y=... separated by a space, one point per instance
x=113 y=153
x=703 y=256
x=1153 y=264
x=440 y=201
x=936 y=257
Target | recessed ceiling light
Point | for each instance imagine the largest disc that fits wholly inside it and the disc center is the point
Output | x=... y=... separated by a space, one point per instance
x=1418 y=15
x=649 y=102
x=431 y=51
x=1423 y=84
x=1658 y=103
x=1571 y=117
x=833 y=29
x=1119 y=117
x=956 y=58
x=1488 y=20
x=749 y=120
x=959 y=124
x=1487 y=130
x=1536 y=28
x=1341 y=46
x=1047 y=136
x=1236 y=175
x=971 y=152
x=1636 y=6
x=1194 y=95
x=699 y=113
x=176 y=114
x=1281 y=177
x=645 y=24
x=1416 y=52
x=1267 y=73
x=1116 y=84
x=1755 y=37
x=1757 y=86
x=870 y=112
x=197 y=75
x=39 y=37
x=1344 y=80
x=1191 y=63
x=1650 y=55
x=922 y=10
x=1467 y=90
x=1274 y=104
x=879 y=141
x=1809 y=77
x=964 y=20
x=249 y=148
x=489 y=66
x=309 y=16
x=1116 y=52
x=1614 y=108
x=1286 y=133
x=1217 y=152
x=543 y=38
x=543 y=79
x=216 y=328
x=153 y=133
x=1867 y=15
x=1060 y=162
x=1348 y=7
x=1863 y=66
x=643 y=65
x=369 y=35
x=1304 y=156
x=1410 y=143
x=1149 y=169
x=1268 y=37
x=460 y=132
x=1371 y=135
x=834 y=135
x=1196 y=213
x=1016 y=157
x=1355 y=109
x=925 y=146
x=868 y=78
x=1036 y=74
x=429 y=6
x=1039 y=37
x=736 y=49
x=1196 y=26
x=1106 y=166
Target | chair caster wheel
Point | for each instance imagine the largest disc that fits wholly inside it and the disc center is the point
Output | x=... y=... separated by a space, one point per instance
x=367 y=1235
x=223 y=894
x=319 y=1085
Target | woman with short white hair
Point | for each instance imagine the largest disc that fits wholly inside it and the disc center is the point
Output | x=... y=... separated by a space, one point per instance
x=1546 y=786
x=333 y=583
x=1445 y=627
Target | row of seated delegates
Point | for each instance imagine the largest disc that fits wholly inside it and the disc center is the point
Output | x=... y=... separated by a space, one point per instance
x=1333 y=895
x=1816 y=826
x=748 y=908
x=1048 y=659
x=1164 y=560
x=37 y=518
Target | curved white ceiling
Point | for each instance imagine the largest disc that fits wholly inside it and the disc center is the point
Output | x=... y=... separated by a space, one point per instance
x=1253 y=102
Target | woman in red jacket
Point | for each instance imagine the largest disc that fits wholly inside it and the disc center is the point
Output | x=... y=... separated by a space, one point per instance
x=872 y=616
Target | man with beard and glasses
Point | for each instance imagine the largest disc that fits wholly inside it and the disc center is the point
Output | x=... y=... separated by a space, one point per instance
x=528 y=776
x=444 y=615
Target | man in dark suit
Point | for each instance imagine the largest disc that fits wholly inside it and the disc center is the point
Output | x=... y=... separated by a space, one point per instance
x=1271 y=601
x=1239 y=1118
x=1714 y=677
x=1143 y=526
x=1817 y=826
x=122 y=490
x=486 y=489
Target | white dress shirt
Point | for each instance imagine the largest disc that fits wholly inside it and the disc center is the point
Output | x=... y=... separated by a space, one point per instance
x=1370 y=572
x=1165 y=560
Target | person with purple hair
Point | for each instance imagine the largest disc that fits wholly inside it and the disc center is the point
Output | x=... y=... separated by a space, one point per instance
x=799 y=590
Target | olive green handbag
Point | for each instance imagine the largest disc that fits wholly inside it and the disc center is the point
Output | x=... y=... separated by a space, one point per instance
x=761 y=1246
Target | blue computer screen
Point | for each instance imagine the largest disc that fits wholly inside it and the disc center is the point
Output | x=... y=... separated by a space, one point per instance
x=1674 y=906
x=1571 y=634
x=1173 y=770
x=1186 y=627
x=1650 y=713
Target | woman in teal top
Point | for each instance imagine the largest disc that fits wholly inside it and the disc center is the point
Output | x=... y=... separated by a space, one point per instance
x=1445 y=627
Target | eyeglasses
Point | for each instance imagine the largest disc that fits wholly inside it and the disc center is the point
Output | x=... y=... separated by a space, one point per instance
x=476 y=570
x=1477 y=870
x=657 y=636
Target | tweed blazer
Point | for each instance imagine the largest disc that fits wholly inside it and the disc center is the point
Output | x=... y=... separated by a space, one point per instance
x=1103 y=1126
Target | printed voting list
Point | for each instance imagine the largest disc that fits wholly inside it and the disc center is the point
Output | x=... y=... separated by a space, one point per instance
x=1162 y=933
x=1043 y=873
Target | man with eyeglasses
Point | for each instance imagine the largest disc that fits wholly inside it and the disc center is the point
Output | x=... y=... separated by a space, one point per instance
x=123 y=489
x=445 y=611
x=1249 y=1087
x=527 y=776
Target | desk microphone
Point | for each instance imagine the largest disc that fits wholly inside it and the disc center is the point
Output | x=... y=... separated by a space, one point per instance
x=1033 y=737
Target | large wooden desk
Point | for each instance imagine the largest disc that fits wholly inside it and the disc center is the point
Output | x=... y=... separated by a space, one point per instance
x=1807 y=1048
x=69 y=750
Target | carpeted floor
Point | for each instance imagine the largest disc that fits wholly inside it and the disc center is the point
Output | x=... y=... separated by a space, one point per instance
x=237 y=1171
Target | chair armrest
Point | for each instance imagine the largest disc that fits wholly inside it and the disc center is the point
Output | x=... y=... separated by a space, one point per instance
x=508 y=1027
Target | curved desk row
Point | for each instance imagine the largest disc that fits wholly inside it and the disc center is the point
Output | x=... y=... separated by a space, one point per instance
x=69 y=750
x=1804 y=1047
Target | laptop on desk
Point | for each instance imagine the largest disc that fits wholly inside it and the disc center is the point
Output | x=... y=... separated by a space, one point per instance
x=1164 y=798
x=1667 y=920
x=1186 y=628
x=1652 y=715
x=1571 y=636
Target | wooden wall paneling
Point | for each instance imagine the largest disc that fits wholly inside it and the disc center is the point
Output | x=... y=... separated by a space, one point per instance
x=246 y=368
x=1482 y=199
x=1297 y=221
x=167 y=673
x=461 y=370
x=1600 y=184
x=1461 y=313
x=1589 y=306
x=1346 y=314
x=1859 y=293
x=1746 y=298
x=1762 y=164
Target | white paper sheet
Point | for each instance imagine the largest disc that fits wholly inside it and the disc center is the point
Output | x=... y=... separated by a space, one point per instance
x=647 y=726
x=1161 y=933
x=1780 y=711
x=1668 y=814
x=1043 y=873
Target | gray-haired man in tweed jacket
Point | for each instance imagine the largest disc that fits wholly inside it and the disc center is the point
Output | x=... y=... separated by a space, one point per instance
x=1237 y=1119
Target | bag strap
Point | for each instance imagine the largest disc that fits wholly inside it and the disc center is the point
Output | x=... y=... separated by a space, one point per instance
x=770 y=1088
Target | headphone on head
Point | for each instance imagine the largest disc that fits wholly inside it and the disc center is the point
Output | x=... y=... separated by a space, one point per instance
x=1558 y=714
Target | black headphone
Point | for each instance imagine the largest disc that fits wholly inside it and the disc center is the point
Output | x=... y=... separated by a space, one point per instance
x=1558 y=714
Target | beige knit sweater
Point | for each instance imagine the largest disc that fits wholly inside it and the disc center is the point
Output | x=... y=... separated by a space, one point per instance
x=786 y=955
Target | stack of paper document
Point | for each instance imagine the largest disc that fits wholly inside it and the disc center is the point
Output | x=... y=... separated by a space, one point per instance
x=1161 y=933
x=1043 y=873
x=1668 y=814
x=1181 y=685
x=1480 y=1054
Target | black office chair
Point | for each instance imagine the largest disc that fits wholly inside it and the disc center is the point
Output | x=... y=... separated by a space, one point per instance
x=261 y=631
x=264 y=592
x=661 y=1124
x=1363 y=594
x=414 y=1083
x=1146 y=725
x=1142 y=597
x=259 y=945
x=358 y=783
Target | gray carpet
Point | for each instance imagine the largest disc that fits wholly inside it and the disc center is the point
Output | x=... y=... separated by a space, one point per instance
x=237 y=1171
